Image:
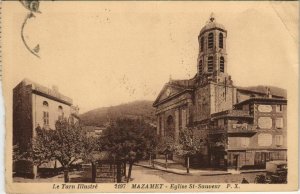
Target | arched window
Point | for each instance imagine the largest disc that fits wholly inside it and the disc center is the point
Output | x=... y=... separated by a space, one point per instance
x=222 y=64
x=202 y=43
x=200 y=67
x=220 y=40
x=60 y=112
x=210 y=40
x=210 y=64
x=45 y=104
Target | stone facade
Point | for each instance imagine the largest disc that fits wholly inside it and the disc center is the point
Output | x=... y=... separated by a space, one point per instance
x=37 y=106
x=238 y=124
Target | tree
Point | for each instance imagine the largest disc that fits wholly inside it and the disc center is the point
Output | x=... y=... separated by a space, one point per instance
x=64 y=144
x=127 y=140
x=188 y=145
x=90 y=150
x=151 y=142
x=166 y=146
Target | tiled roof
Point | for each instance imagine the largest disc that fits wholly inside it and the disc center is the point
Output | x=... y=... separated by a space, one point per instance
x=275 y=91
x=263 y=99
x=50 y=93
x=231 y=113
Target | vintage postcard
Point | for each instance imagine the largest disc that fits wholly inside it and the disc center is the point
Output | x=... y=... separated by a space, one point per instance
x=150 y=96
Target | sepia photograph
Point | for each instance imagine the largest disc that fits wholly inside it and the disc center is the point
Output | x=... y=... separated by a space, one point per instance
x=160 y=96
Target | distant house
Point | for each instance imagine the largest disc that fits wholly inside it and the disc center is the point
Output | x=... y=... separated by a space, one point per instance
x=93 y=131
x=240 y=127
x=37 y=106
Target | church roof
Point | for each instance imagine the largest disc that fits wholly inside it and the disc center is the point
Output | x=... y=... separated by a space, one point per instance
x=212 y=24
x=185 y=84
x=181 y=86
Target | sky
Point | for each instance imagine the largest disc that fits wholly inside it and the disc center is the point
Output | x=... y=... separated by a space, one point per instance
x=106 y=53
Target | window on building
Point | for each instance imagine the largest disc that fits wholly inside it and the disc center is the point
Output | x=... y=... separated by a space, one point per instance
x=229 y=160
x=222 y=64
x=45 y=104
x=46 y=117
x=200 y=67
x=221 y=123
x=278 y=140
x=220 y=40
x=210 y=40
x=60 y=112
x=202 y=44
x=210 y=64
x=279 y=123
x=279 y=108
x=244 y=142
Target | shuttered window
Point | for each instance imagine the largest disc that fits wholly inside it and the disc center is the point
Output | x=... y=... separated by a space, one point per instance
x=210 y=40
x=278 y=140
x=222 y=64
x=220 y=40
x=200 y=67
x=202 y=44
x=46 y=118
x=279 y=123
x=210 y=64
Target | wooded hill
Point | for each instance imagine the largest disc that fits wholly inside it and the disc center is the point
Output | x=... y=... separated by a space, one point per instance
x=134 y=110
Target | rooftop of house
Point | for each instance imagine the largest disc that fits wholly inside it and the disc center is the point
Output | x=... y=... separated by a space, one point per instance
x=268 y=100
x=231 y=113
x=262 y=90
x=91 y=128
x=53 y=93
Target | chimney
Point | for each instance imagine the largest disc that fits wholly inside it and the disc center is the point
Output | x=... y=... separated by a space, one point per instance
x=269 y=95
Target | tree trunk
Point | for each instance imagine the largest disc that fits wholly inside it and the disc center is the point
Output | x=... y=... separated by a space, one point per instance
x=119 y=174
x=150 y=159
x=125 y=169
x=93 y=172
x=66 y=174
x=129 y=171
x=188 y=165
x=166 y=160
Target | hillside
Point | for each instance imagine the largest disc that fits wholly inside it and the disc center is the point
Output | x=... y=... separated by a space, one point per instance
x=134 y=110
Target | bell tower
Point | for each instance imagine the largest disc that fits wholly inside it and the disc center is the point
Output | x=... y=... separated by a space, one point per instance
x=214 y=88
x=212 y=57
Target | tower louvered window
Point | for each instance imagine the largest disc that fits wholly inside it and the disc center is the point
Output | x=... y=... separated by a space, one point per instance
x=220 y=40
x=210 y=40
x=202 y=44
x=210 y=64
x=200 y=67
x=222 y=64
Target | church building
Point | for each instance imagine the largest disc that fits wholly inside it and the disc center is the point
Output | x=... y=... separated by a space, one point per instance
x=241 y=127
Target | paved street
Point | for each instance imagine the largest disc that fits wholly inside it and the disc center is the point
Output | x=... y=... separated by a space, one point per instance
x=147 y=175
x=142 y=174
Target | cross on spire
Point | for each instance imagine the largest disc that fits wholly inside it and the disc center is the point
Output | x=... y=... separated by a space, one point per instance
x=212 y=17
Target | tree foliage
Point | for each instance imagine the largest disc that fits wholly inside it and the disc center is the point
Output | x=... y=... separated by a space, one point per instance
x=188 y=144
x=66 y=144
x=126 y=136
x=128 y=140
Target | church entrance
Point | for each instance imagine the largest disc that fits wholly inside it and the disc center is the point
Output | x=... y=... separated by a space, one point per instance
x=170 y=127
